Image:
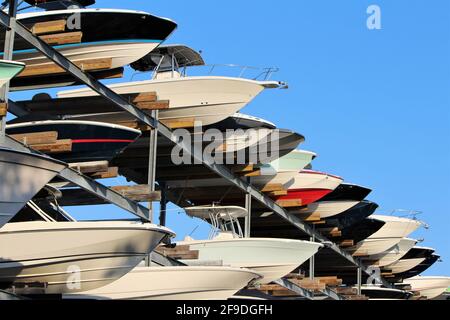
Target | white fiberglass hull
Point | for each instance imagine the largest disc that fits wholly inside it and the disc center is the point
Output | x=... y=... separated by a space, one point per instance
x=73 y=256
x=272 y=258
x=429 y=287
x=404 y=265
x=315 y=180
x=22 y=176
x=328 y=209
x=370 y=247
x=174 y=283
x=121 y=54
x=395 y=253
x=391 y=233
x=207 y=100
x=395 y=226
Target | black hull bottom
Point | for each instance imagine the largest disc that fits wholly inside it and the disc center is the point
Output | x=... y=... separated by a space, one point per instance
x=90 y=142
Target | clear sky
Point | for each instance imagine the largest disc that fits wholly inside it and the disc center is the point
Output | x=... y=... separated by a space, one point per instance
x=374 y=104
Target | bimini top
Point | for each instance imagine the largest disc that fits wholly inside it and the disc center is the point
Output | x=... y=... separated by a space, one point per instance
x=225 y=213
x=59 y=4
x=172 y=55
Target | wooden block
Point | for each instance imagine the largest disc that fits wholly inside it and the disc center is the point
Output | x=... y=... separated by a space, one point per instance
x=3 y=109
x=47 y=137
x=313 y=285
x=277 y=193
x=272 y=187
x=290 y=203
x=256 y=173
x=63 y=38
x=346 y=290
x=52 y=68
x=59 y=146
x=330 y=281
x=307 y=217
x=181 y=123
x=143 y=97
x=243 y=168
x=112 y=172
x=153 y=105
x=360 y=254
x=138 y=193
x=90 y=167
x=347 y=243
x=49 y=27
x=179 y=252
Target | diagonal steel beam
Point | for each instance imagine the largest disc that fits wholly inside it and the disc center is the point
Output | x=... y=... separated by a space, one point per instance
x=90 y=185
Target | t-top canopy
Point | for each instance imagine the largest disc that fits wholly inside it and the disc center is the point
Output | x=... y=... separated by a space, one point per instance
x=59 y=4
x=224 y=213
x=173 y=56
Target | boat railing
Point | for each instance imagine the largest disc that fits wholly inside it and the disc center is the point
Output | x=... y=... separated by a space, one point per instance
x=231 y=70
x=256 y=73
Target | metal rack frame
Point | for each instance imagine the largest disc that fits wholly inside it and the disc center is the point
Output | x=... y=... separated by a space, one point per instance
x=113 y=197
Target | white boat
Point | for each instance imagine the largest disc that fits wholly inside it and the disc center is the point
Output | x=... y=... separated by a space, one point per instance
x=429 y=287
x=64 y=257
x=328 y=209
x=123 y=36
x=272 y=258
x=404 y=265
x=393 y=254
x=174 y=283
x=22 y=175
x=205 y=99
x=392 y=232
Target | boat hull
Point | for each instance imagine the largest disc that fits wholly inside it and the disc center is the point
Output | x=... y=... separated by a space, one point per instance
x=8 y=70
x=205 y=100
x=174 y=283
x=329 y=209
x=429 y=287
x=393 y=254
x=64 y=257
x=272 y=258
x=404 y=265
x=91 y=141
x=22 y=176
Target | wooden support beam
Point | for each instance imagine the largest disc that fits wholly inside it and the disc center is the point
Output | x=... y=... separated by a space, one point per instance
x=47 y=137
x=112 y=172
x=54 y=26
x=330 y=281
x=256 y=173
x=309 y=284
x=290 y=203
x=277 y=193
x=3 y=109
x=90 y=167
x=139 y=193
x=305 y=216
x=153 y=105
x=62 y=38
x=347 y=243
x=52 y=68
x=179 y=123
x=178 y=252
x=272 y=187
x=60 y=146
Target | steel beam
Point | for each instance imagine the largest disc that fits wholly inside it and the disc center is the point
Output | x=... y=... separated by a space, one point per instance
x=7 y=55
x=295 y=288
x=90 y=185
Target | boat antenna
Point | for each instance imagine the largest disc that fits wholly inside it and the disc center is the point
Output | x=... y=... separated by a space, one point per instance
x=195 y=229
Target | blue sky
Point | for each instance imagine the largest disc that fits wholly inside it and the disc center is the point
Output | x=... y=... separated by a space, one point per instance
x=374 y=104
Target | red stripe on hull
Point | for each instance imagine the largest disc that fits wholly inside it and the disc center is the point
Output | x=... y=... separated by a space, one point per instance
x=102 y=141
x=307 y=196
